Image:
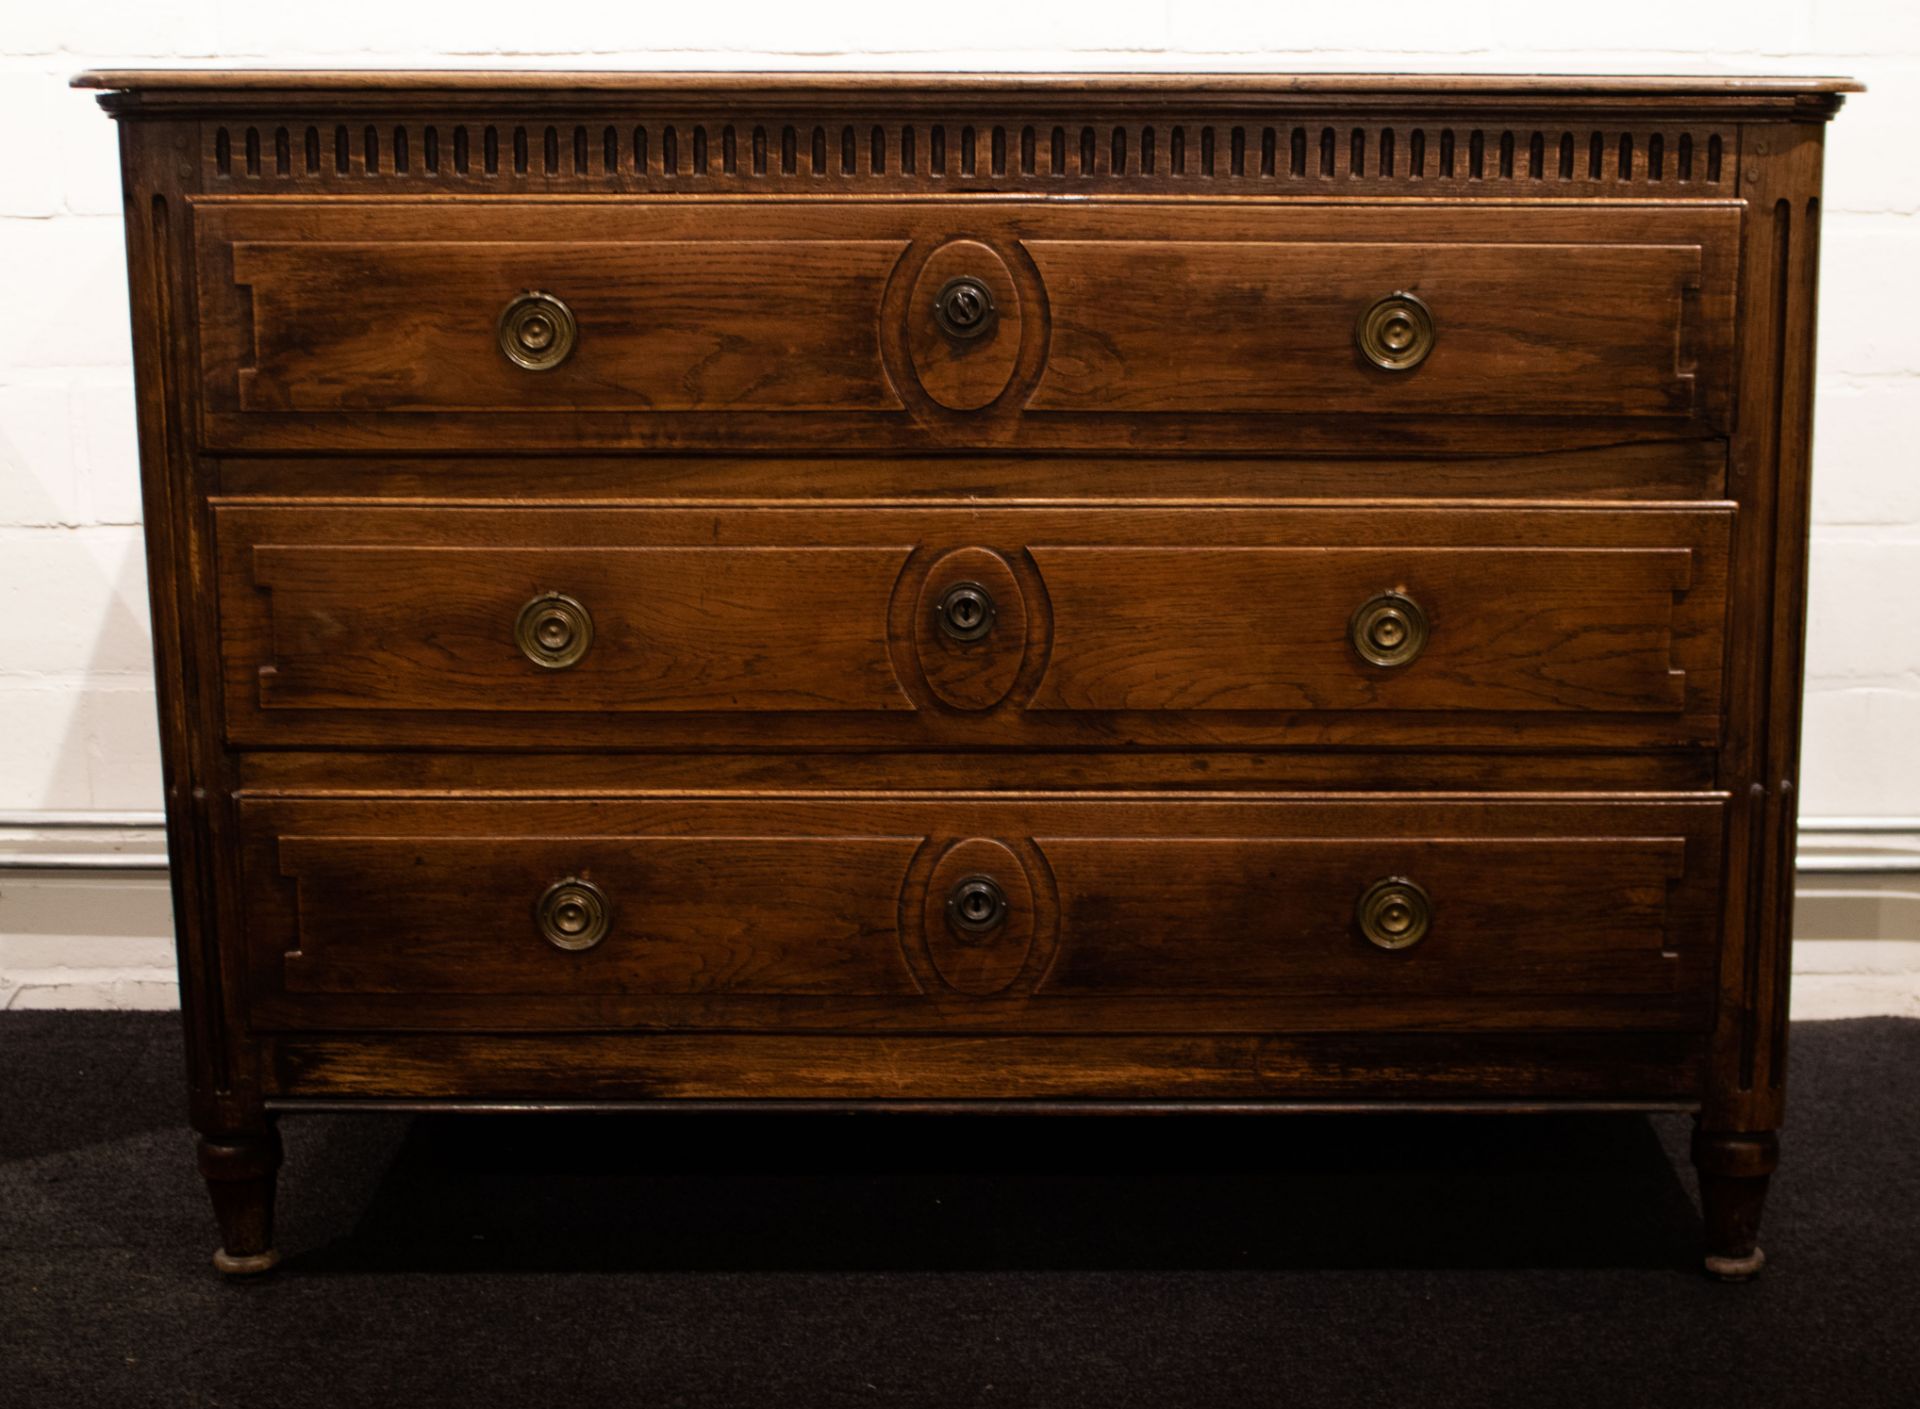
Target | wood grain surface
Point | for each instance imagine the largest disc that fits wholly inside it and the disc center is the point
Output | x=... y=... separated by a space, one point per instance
x=775 y=325
x=395 y=625
x=1183 y=914
x=1167 y=462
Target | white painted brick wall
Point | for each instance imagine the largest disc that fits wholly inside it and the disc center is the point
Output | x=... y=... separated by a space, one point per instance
x=76 y=728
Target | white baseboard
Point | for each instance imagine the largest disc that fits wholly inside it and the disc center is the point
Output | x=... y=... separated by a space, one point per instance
x=85 y=917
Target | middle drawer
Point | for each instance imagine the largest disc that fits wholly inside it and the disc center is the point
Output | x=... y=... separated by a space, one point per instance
x=1021 y=627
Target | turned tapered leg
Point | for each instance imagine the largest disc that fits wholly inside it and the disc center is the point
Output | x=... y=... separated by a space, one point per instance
x=240 y=1170
x=1734 y=1169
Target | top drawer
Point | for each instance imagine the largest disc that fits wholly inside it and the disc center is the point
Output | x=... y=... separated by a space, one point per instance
x=892 y=325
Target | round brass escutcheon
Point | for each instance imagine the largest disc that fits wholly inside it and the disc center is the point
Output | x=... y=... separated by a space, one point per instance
x=1388 y=630
x=537 y=331
x=976 y=906
x=1394 y=913
x=573 y=914
x=1396 y=334
x=553 y=631
x=964 y=307
x=965 y=611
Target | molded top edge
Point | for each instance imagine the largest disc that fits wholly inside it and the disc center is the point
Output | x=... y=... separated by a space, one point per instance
x=774 y=83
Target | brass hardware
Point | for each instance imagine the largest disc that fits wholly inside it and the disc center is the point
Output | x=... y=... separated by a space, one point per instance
x=1389 y=629
x=964 y=307
x=573 y=914
x=553 y=631
x=965 y=611
x=537 y=331
x=1396 y=334
x=976 y=906
x=1394 y=913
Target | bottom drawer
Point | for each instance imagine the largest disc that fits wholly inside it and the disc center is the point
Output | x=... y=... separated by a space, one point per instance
x=951 y=915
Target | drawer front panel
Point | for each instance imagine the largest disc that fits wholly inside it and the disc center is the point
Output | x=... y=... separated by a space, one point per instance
x=749 y=628
x=1512 y=629
x=361 y=324
x=727 y=626
x=782 y=325
x=1586 y=330
x=938 y=914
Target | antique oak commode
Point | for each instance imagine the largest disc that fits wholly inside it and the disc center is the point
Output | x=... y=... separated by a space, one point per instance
x=1253 y=592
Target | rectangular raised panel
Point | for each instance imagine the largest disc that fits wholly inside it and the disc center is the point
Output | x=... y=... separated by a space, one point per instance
x=691 y=914
x=1175 y=913
x=1256 y=628
x=1521 y=329
x=755 y=629
x=1248 y=914
x=716 y=325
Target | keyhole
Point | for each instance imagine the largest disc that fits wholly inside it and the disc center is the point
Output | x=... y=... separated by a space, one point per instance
x=975 y=906
x=966 y=611
x=964 y=308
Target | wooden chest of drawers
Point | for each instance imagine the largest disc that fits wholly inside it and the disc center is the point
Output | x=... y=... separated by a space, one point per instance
x=1255 y=593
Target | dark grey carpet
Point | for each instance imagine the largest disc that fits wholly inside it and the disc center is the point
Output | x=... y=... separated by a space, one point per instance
x=1413 y=1261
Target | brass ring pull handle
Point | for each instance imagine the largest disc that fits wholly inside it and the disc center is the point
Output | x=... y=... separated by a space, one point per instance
x=1388 y=630
x=976 y=906
x=573 y=914
x=965 y=611
x=964 y=308
x=1394 y=913
x=537 y=331
x=1396 y=334
x=553 y=631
